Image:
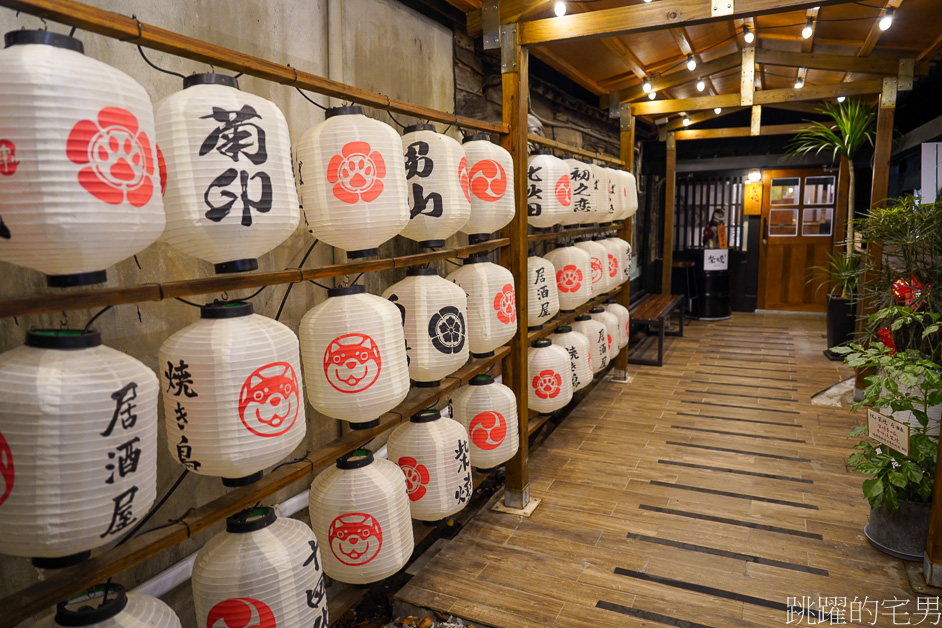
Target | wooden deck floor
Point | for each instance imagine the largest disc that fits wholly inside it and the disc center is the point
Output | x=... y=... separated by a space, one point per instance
x=707 y=492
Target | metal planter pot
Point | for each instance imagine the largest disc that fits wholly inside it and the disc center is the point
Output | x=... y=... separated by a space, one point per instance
x=903 y=534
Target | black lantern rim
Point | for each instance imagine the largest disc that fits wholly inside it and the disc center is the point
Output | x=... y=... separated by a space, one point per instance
x=542 y=343
x=610 y=301
x=412 y=128
x=63 y=338
x=583 y=317
x=421 y=272
x=476 y=259
x=210 y=78
x=356 y=459
x=48 y=38
x=481 y=380
x=89 y=615
x=541 y=151
x=565 y=245
x=349 y=110
x=598 y=309
x=476 y=137
x=477 y=238
x=426 y=416
x=562 y=329
x=234 y=309
x=345 y=291
x=251 y=520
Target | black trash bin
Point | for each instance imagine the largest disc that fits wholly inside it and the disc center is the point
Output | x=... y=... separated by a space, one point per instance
x=712 y=287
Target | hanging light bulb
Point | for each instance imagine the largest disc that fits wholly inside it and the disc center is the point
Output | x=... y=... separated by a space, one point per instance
x=799 y=83
x=646 y=85
x=686 y=121
x=808 y=30
x=748 y=35
x=647 y=1
x=701 y=85
x=560 y=8
x=755 y=175
x=652 y=95
x=841 y=98
x=887 y=20
x=692 y=63
x=717 y=110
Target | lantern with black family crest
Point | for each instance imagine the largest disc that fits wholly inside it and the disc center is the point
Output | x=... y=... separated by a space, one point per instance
x=542 y=297
x=353 y=183
x=491 y=184
x=573 y=275
x=360 y=510
x=231 y=195
x=265 y=567
x=492 y=305
x=433 y=453
x=488 y=410
x=78 y=445
x=577 y=346
x=549 y=384
x=354 y=353
x=624 y=321
x=80 y=171
x=437 y=180
x=232 y=393
x=110 y=606
x=435 y=312
x=582 y=185
x=597 y=333
x=549 y=195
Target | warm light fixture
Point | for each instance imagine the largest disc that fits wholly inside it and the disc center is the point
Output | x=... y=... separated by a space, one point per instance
x=755 y=174
x=808 y=30
x=686 y=121
x=887 y=20
x=692 y=63
x=652 y=95
x=799 y=83
x=841 y=98
x=748 y=35
x=646 y=85
x=647 y=1
x=717 y=110
x=560 y=8
x=701 y=85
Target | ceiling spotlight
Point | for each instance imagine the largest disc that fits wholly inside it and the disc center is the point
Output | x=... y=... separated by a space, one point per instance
x=701 y=85
x=692 y=63
x=748 y=35
x=799 y=83
x=717 y=110
x=646 y=1
x=560 y=8
x=646 y=85
x=887 y=20
x=841 y=98
x=686 y=121
x=652 y=95
x=808 y=30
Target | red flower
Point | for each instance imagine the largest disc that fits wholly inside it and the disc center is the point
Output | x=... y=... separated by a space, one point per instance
x=886 y=337
x=547 y=384
x=506 y=304
x=612 y=265
x=119 y=156
x=569 y=279
x=356 y=173
x=417 y=477
x=463 y=179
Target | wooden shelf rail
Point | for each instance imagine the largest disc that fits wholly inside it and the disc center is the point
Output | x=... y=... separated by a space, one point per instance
x=566 y=148
x=573 y=233
x=565 y=318
x=134 y=31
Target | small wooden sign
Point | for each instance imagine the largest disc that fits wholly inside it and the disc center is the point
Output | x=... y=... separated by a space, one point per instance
x=889 y=431
x=752 y=203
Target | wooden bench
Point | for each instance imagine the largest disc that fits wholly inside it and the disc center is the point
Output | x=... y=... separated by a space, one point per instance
x=656 y=310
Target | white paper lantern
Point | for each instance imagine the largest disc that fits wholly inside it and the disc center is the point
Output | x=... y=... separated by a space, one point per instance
x=631 y=190
x=542 y=293
x=549 y=194
x=78 y=443
x=117 y=609
x=577 y=349
x=433 y=453
x=488 y=410
x=231 y=195
x=492 y=306
x=597 y=333
x=600 y=314
x=624 y=260
x=619 y=193
x=549 y=383
x=360 y=509
x=232 y=393
x=573 y=275
x=263 y=570
x=437 y=182
x=436 y=329
x=582 y=183
x=603 y=206
x=491 y=183
x=624 y=321
x=598 y=264
x=614 y=197
x=612 y=264
x=80 y=172
x=353 y=181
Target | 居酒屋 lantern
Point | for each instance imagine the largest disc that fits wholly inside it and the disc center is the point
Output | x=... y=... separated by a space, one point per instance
x=624 y=321
x=582 y=182
x=262 y=566
x=549 y=382
x=492 y=306
x=597 y=333
x=354 y=353
x=80 y=181
x=573 y=275
x=433 y=453
x=78 y=446
x=437 y=185
x=577 y=346
x=491 y=184
x=435 y=311
x=231 y=195
x=360 y=510
x=353 y=181
x=610 y=321
x=232 y=393
x=549 y=195
x=488 y=410
x=110 y=606
x=598 y=264
x=542 y=294
x=611 y=266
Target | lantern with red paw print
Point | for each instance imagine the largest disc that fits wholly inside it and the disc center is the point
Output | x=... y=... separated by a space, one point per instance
x=491 y=186
x=573 y=275
x=488 y=410
x=492 y=306
x=549 y=376
x=80 y=175
x=549 y=191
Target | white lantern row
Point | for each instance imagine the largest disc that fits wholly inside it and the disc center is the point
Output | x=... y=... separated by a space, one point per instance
x=491 y=186
x=492 y=307
x=488 y=410
x=577 y=349
x=597 y=333
x=549 y=379
x=110 y=606
x=549 y=194
x=542 y=293
x=573 y=275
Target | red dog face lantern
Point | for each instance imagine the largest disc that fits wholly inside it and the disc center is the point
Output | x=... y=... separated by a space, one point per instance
x=268 y=403
x=241 y=612
x=352 y=363
x=355 y=538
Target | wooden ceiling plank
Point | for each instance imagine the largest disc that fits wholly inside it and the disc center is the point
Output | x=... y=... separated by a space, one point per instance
x=682 y=39
x=837 y=63
x=929 y=53
x=465 y=6
x=812 y=14
x=681 y=76
x=874 y=35
x=569 y=70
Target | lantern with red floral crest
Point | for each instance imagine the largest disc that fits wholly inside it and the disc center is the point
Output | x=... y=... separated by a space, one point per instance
x=577 y=348
x=492 y=306
x=549 y=381
x=491 y=183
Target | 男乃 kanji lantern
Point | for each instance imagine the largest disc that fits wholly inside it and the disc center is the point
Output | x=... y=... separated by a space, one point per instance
x=232 y=393
x=432 y=452
x=549 y=194
x=360 y=510
x=263 y=567
x=542 y=294
x=354 y=353
x=78 y=445
x=488 y=410
x=582 y=183
x=436 y=329
x=598 y=264
x=492 y=306
x=438 y=186
x=573 y=275
x=600 y=314
x=549 y=382
x=230 y=195
x=624 y=321
x=597 y=333
x=353 y=181
x=80 y=184
x=109 y=606
x=491 y=185
x=577 y=348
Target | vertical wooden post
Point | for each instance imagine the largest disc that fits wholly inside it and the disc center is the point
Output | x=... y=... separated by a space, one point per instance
x=667 y=257
x=627 y=154
x=514 y=71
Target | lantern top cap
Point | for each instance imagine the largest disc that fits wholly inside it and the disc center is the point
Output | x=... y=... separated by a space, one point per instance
x=85 y=613
x=63 y=338
x=610 y=301
x=480 y=258
x=235 y=309
x=477 y=137
x=251 y=520
x=210 y=78
x=349 y=110
x=356 y=459
x=542 y=343
x=563 y=245
x=412 y=128
x=57 y=40
x=541 y=151
x=345 y=291
x=421 y=272
x=562 y=329
x=481 y=380
x=597 y=309
x=583 y=317
x=426 y=416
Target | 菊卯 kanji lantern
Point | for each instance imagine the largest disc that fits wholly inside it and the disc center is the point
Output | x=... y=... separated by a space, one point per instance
x=80 y=171
x=573 y=275
x=598 y=264
x=110 y=606
x=542 y=294
x=597 y=334
x=354 y=353
x=488 y=410
x=433 y=453
x=353 y=181
x=231 y=195
x=492 y=306
x=624 y=321
x=549 y=383
x=360 y=509
x=232 y=393
x=577 y=348
x=262 y=566
x=549 y=195
x=491 y=186
x=600 y=314
x=582 y=182
x=78 y=445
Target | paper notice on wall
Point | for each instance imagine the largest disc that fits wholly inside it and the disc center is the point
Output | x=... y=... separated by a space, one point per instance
x=889 y=431
x=715 y=259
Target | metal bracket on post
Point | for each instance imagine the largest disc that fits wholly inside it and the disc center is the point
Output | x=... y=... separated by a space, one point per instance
x=888 y=97
x=624 y=115
x=620 y=376
x=490 y=23
x=907 y=69
x=722 y=7
x=516 y=502
x=508 y=48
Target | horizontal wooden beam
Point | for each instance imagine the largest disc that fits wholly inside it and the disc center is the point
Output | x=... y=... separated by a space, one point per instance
x=695 y=118
x=574 y=233
x=566 y=148
x=654 y=107
x=706 y=134
x=682 y=76
x=836 y=63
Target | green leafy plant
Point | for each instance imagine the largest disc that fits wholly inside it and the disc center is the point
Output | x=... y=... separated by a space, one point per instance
x=842 y=271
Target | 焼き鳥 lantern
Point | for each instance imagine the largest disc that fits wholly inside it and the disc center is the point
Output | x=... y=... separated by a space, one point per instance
x=598 y=264
x=354 y=353
x=492 y=306
x=600 y=314
x=432 y=452
x=262 y=566
x=231 y=195
x=437 y=180
x=360 y=508
x=232 y=393
x=582 y=183
x=624 y=321
x=597 y=333
x=435 y=312
x=80 y=172
x=549 y=383
x=573 y=275
x=542 y=294
x=109 y=606
x=549 y=194
x=78 y=446
x=353 y=181
x=611 y=266
x=577 y=348
x=603 y=207
x=488 y=410
x=491 y=183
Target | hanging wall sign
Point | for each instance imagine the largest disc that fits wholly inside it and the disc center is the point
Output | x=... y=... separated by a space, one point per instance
x=715 y=259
